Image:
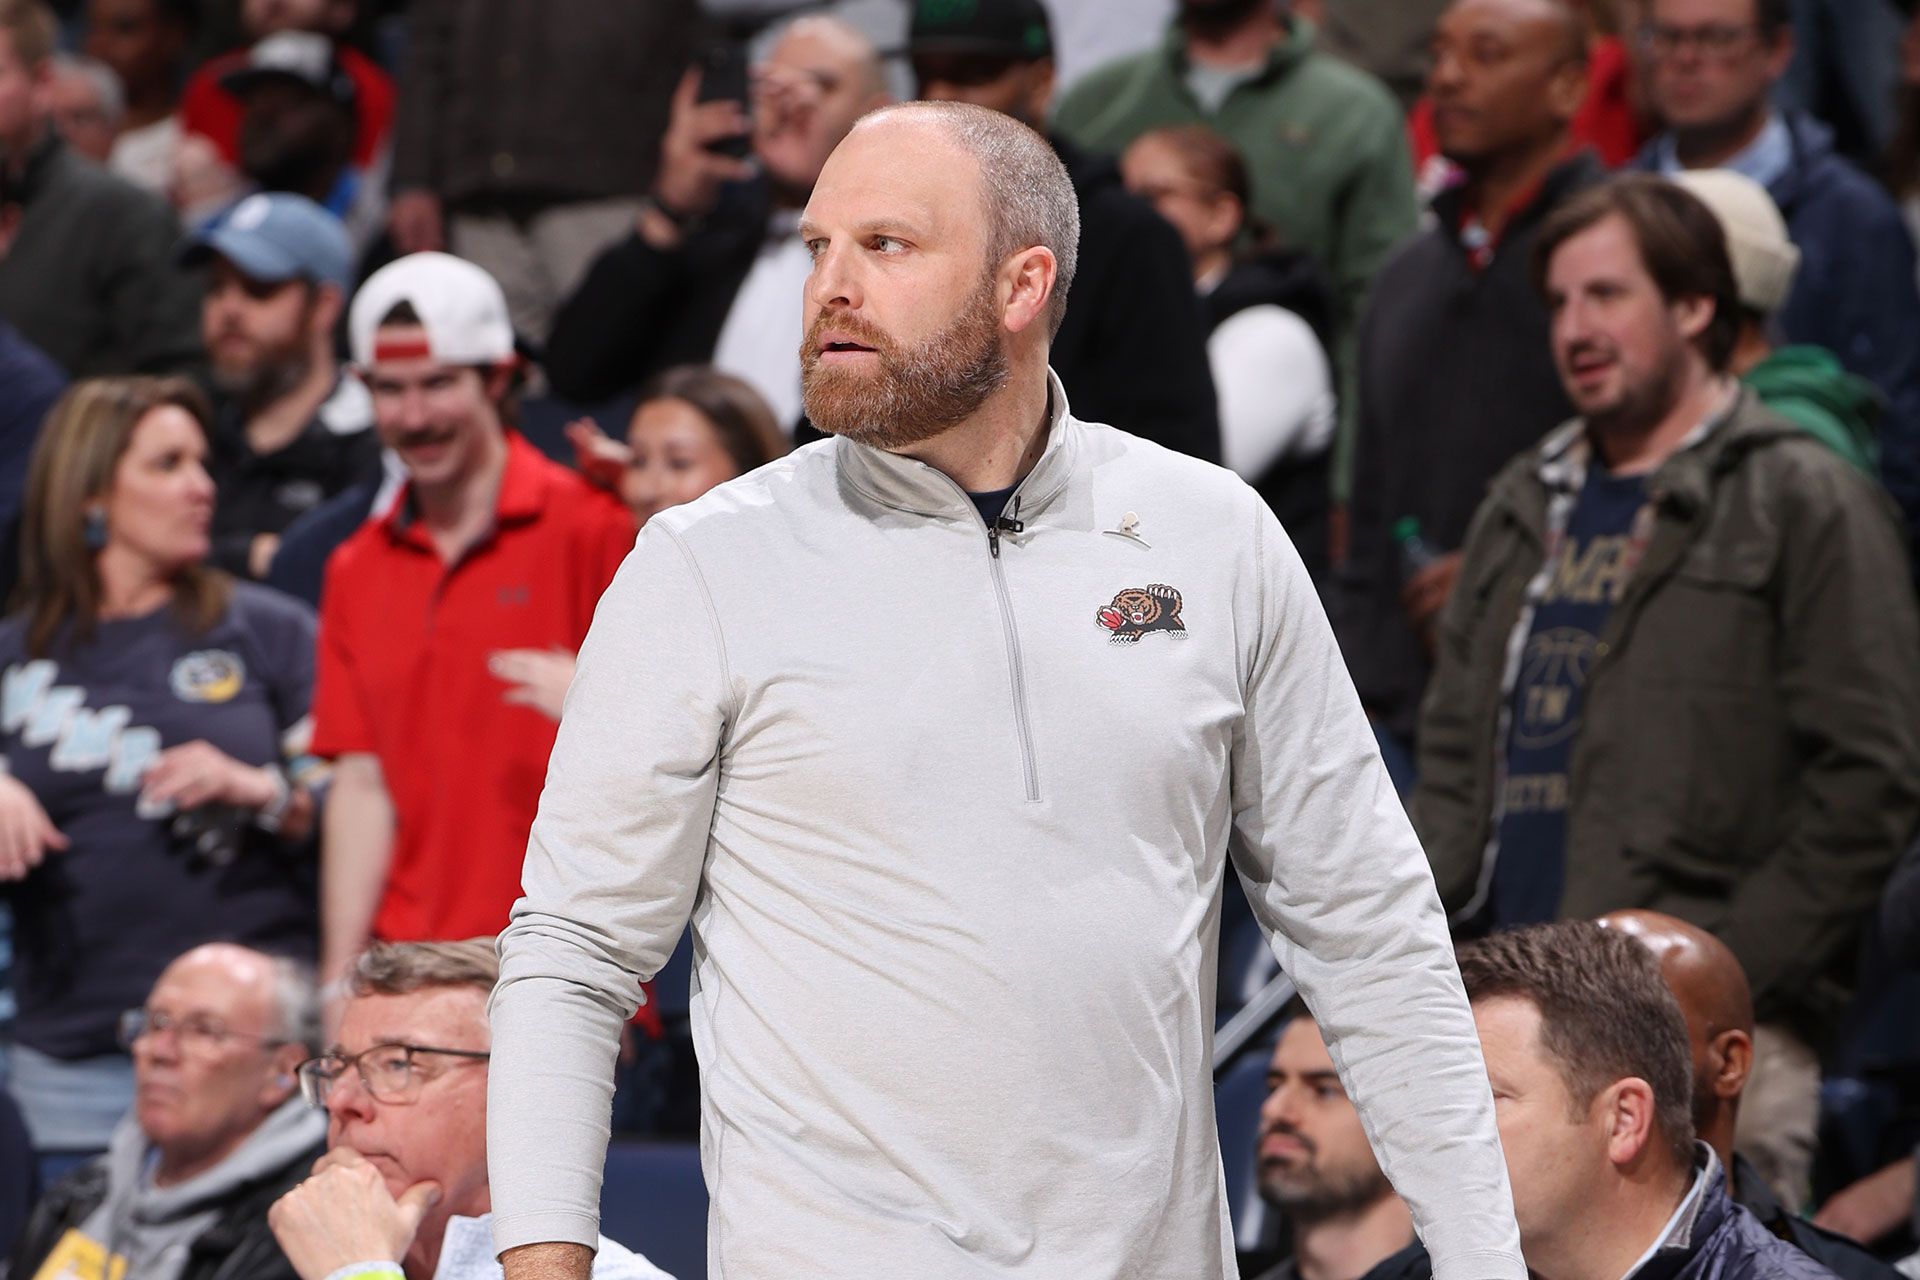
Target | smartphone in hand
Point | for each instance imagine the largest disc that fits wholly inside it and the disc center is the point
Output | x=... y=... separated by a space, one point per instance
x=723 y=78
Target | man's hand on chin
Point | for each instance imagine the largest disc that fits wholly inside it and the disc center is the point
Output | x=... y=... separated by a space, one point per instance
x=555 y=1261
x=343 y=1214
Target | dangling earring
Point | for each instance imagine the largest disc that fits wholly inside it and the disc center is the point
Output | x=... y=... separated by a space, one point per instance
x=95 y=529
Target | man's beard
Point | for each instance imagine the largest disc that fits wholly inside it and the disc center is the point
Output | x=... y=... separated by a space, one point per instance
x=1642 y=405
x=259 y=383
x=1316 y=1194
x=918 y=392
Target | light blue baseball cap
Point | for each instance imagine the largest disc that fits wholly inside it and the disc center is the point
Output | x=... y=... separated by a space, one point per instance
x=275 y=236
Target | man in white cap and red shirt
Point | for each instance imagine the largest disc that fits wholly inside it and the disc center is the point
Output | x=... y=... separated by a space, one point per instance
x=489 y=546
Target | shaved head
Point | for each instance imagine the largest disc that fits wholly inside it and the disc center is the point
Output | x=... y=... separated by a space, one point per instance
x=1705 y=977
x=1712 y=989
x=1508 y=78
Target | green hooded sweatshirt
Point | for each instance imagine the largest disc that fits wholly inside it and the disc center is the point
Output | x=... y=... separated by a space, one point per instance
x=1325 y=146
x=1807 y=387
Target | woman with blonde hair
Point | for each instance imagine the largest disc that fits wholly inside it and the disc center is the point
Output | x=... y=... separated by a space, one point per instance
x=152 y=718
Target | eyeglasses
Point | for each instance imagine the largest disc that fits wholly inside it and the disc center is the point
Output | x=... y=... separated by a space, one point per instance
x=197 y=1032
x=1720 y=40
x=387 y=1071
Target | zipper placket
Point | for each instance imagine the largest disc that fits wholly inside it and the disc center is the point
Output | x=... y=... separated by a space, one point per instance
x=1022 y=718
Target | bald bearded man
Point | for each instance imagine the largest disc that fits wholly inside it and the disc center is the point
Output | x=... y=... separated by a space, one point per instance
x=1713 y=994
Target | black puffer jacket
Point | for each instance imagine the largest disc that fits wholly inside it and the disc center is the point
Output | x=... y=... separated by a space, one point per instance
x=240 y=1246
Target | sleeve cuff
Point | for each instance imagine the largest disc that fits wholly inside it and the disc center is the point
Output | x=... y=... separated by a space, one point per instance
x=1488 y=1264
x=559 y=1226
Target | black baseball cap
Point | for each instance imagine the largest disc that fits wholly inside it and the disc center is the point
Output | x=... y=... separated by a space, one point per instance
x=1014 y=29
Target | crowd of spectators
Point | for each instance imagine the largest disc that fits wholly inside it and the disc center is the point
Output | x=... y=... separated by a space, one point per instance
x=345 y=345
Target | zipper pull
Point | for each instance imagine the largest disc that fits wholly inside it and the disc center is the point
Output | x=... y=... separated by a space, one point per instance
x=993 y=539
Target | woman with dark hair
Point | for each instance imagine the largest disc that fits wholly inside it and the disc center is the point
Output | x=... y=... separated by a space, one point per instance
x=1268 y=315
x=694 y=427
x=152 y=708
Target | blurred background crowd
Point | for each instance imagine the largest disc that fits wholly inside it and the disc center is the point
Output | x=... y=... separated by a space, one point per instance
x=344 y=344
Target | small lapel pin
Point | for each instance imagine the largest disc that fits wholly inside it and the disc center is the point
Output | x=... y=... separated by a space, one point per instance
x=1129 y=527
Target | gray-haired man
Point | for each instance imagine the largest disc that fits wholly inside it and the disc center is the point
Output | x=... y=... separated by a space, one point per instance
x=216 y=1133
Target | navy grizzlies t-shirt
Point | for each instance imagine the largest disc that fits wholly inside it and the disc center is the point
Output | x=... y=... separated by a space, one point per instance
x=1595 y=559
x=94 y=925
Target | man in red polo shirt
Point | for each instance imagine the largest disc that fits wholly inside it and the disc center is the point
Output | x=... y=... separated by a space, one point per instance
x=490 y=546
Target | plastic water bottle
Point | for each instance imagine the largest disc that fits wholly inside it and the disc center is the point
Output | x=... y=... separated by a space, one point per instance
x=1415 y=552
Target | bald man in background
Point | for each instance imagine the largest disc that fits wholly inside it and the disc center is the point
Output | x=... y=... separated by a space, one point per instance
x=1713 y=994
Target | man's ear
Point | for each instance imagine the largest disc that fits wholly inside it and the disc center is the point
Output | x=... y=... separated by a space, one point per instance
x=1027 y=280
x=1567 y=91
x=1731 y=1056
x=1693 y=315
x=1628 y=1115
x=499 y=379
x=1781 y=53
x=328 y=299
x=281 y=1082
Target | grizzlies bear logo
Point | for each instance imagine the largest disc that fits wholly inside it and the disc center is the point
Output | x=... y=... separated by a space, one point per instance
x=1135 y=612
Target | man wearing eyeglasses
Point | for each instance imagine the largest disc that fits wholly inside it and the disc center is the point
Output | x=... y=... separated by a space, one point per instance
x=402 y=1190
x=1712 y=67
x=215 y=1135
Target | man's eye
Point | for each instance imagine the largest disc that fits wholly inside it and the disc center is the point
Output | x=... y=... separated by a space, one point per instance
x=887 y=244
x=815 y=248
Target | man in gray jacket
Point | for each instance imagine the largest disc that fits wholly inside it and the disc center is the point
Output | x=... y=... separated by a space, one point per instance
x=941 y=732
x=216 y=1133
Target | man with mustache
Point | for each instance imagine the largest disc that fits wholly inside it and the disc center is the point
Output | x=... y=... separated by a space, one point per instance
x=291 y=428
x=488 y=546
x=1678 y=671
x=1316 y=1167
x=950 y=854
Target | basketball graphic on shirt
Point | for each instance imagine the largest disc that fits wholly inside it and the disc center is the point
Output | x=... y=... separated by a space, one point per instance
x=208 y=675
x=1553 y=671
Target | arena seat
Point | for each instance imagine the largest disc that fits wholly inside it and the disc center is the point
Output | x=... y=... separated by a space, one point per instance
x=654 y=1201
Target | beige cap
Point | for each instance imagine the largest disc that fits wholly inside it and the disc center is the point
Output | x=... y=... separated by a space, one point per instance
x=1764 y=257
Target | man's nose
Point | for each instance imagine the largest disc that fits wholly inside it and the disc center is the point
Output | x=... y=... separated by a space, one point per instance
x=348 y=1099
x=832 y=282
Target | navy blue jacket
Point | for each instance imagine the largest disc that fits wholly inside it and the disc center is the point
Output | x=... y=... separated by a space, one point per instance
x=1855 y=293
x=1725 y=1243
x=29 y=384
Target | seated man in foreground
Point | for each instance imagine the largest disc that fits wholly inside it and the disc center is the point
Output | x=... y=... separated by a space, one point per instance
x=402 y=1190
x=1317 y=1167
x=1587 y=1052
x=216 y=1132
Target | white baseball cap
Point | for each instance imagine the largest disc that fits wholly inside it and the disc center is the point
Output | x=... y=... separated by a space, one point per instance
x=459 y=305
x=1763 y=255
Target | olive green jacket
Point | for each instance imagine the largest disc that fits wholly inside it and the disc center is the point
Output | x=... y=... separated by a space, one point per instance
x=1748 y=756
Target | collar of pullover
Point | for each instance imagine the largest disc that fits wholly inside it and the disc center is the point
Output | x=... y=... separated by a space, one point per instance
x=907 y=484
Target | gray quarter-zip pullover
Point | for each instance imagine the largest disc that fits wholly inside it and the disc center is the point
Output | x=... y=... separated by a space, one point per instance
x=949 y=808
